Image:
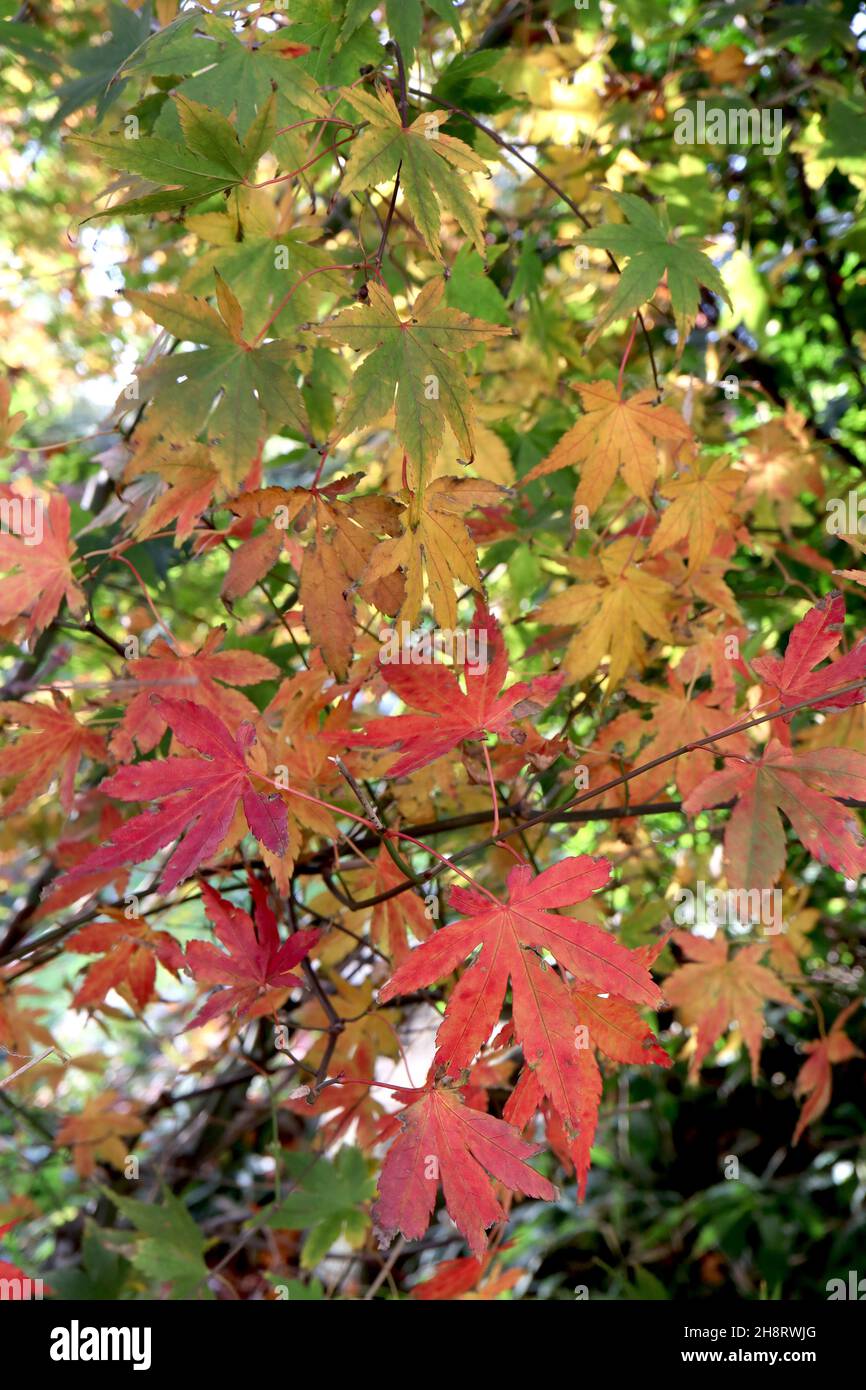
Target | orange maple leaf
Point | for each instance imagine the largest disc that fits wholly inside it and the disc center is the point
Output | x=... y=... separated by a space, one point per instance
x=716 y=989
x=99 y=1131
x=678 y=717
x=53 y=748
x=129 y=950
x=815 y=1077
x=613 y=434
x=393 y=919
x=38 y=569
x=702 y=499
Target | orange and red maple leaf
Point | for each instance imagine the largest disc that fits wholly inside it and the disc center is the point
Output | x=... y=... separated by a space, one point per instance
x=199 y=798
x=444 y=1142
x=256 y=966
x=450 y=713
x=716 y=988
x=513 y=935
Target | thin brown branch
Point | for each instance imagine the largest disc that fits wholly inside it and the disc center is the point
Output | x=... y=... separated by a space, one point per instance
x=555 y=188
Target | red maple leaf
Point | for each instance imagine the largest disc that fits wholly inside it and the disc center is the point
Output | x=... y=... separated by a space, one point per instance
x=571 y=1139
x=452 y=714
x=454 y=1278
x=609 y=1024
x=199 y=797
x=800 y=784
x=258 y=966
x=815 y=1077
x=512 y=936
x=792 y=678
x=94 y=823
x=445 y=1141
x=189 y=675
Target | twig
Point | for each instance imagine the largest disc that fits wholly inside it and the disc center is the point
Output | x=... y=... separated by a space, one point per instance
x=560 y=193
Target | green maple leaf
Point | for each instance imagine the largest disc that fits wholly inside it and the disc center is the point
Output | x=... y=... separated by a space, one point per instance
x=652 y=254
x=99 y=1278
x=211 y=159
x=295 y=1290
x=468 y=82
x=328 y=1202
x=357 y=13
x=416 y=360
x=812 y=30
x=98 y=63
x=341 y=38
x=234 y=77
x=447 y=10
x=232 y=389
x=169 y=1246
x=471 y=289
x=175 y=48
x=404 y=22
x=845 y=128
x=262 y=263
x=404 y=19
x=428 y=162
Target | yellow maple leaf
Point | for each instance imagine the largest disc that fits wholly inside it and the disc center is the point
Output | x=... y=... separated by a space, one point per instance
x=618 y=606
x=435 y=542
x=9 y=423
x=701 y=503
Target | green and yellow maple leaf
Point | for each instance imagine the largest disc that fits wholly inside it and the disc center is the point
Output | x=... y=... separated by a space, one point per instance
x=278 y=277
x=329 y=1201
x=168 y=1245
x=233 y=389
x=238 y=78
x=207 y=157
x=414 y=360
x=428 y=164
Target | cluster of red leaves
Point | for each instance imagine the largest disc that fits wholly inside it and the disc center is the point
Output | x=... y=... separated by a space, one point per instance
x=575 y=995
x=197 y=795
